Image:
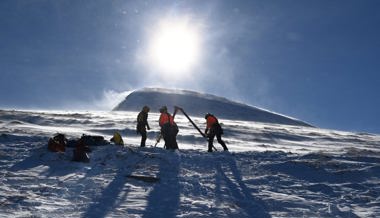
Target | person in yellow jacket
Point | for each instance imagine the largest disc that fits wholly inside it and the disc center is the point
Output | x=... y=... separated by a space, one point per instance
x=117 y=139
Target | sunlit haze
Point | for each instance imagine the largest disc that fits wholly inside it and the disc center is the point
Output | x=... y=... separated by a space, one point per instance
x=317 y=61
x=175 y=47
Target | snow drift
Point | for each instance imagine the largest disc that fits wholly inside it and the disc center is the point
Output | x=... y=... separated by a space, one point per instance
x=272 y=170
x=197 y=104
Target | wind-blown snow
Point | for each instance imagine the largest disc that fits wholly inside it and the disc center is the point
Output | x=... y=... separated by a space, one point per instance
x=272 y=170
x=198 y=104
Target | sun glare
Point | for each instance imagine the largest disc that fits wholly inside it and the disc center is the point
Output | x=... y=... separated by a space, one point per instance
x=175 y=47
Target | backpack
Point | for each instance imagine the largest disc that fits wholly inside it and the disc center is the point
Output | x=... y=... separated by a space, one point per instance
x=58 y=143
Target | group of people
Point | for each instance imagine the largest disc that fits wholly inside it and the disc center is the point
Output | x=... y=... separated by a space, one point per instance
x=169 y=128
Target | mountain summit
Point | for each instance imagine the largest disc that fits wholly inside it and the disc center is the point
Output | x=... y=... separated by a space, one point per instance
x=197 y=104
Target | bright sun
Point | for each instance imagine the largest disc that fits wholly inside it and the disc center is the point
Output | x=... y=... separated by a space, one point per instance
x=175 y=46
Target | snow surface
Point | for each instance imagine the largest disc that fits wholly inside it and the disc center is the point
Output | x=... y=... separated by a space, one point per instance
x=272 y=170
x=198 y=104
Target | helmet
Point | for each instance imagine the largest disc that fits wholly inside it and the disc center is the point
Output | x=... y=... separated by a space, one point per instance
x=163 y=109
x=146 y=108
x=207 y=115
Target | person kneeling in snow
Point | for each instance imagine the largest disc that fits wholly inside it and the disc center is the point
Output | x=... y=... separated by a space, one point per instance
x=213 y=129
x=117 y=139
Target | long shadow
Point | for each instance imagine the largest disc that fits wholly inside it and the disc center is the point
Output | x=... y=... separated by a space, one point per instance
x=307 y=172
x=252 y=206
x=107 y=200
x=164 y=199
x=30 y=161
x=58 y=163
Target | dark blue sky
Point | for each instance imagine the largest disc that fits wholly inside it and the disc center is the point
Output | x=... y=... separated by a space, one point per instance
x=314 y=60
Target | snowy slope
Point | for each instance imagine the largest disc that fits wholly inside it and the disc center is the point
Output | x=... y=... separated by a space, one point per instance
x=272 y=170
x=198 y=104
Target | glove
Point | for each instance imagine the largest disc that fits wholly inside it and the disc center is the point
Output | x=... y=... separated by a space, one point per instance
x=206 y=131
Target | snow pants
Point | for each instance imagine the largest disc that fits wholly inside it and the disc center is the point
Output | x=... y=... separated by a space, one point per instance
x=169 y=133
x=216 y=130
x=143 y=134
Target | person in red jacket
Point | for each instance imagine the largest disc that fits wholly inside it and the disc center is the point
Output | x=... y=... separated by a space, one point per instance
x=169 y=129
x=213 y=129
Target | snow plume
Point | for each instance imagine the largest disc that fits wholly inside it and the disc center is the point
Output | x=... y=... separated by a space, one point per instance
x=103 y=101
x=110 y=99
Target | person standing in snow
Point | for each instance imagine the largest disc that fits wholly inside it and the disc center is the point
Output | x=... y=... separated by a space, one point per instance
x=142 y=124
x=169 y=129
x=213 y=129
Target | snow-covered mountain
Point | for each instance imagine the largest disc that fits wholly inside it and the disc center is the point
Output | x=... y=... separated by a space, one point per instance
x=272 y=170
x=198 y=104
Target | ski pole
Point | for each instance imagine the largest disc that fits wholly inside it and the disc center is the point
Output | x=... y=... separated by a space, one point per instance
x=158 y=139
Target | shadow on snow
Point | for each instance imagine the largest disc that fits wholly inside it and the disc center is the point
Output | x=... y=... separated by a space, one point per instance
x=237 y=189
x=164 y=199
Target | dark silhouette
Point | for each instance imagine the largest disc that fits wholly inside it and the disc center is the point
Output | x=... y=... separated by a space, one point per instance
x=213 y=129
x=169 y=129
x=142 y=124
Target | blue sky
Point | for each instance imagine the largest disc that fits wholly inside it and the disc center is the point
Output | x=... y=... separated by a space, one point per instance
x=314 y=60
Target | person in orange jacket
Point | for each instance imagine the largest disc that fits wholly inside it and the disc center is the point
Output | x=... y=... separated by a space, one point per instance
x=213 y=129
x=169 y=129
